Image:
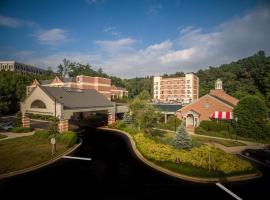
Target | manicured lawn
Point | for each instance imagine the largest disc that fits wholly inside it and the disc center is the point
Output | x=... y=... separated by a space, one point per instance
x=226 y=143
x=2 y=136
x=23 y=152
x=233 y=136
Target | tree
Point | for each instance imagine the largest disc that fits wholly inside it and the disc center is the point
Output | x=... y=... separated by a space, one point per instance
x=251 y=112
x=144 y=115
x=144 y=95
x=182 y=140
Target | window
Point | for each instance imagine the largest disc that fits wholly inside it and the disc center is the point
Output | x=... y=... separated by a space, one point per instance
x=38 y=104
x=206 y=105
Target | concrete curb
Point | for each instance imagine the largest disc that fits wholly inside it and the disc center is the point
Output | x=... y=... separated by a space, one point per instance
x=35 y=167
x=178 y=175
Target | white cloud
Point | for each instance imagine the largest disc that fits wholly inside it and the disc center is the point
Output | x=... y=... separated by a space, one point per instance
x=112 y=31
x=193 y=49
x=53 y=36
x=15 y=23
x=114 y=46
x=154 y=9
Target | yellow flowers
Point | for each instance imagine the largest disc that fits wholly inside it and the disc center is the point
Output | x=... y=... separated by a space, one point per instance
x=198 y=157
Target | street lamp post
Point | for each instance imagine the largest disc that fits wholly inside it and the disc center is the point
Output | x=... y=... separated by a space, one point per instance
x=174 y=122
x=236 y=119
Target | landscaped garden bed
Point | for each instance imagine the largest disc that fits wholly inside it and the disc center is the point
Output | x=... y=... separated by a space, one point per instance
x=194 y=162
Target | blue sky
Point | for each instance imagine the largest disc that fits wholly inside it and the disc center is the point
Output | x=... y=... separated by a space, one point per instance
x=133 y=38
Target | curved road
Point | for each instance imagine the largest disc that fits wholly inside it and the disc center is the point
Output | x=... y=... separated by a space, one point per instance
x=115 y=173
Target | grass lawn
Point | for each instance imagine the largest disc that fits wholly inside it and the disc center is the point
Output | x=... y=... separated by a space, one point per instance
x=2 y=136
x=233 y=136
x=23 y=152
x=226 y=143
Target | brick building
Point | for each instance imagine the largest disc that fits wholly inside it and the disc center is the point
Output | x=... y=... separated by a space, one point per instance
x=178 y=89
x=102 y=85
x=204 y=107
x=118 y=92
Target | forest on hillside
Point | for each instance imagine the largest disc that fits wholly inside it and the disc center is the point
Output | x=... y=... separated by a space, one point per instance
x=248 y=76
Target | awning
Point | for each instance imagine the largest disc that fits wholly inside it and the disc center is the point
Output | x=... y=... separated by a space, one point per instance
x=221 y=115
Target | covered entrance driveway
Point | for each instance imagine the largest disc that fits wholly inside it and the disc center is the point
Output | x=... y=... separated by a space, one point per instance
x=63 y=103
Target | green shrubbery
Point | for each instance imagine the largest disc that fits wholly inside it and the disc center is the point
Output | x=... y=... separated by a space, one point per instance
x=217 y=126
x=171 y=124
x=42 y=134
x=20 y=130
x=68 y=138
x=197 y=157
x=252 y=118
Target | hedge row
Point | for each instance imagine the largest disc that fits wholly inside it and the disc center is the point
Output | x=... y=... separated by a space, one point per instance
x=217 y=126
x=20 y=130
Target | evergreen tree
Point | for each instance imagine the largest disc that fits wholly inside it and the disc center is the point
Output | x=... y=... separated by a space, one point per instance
x=182 y=140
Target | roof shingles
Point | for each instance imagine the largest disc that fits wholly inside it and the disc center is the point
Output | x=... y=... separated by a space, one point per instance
x=74 y=98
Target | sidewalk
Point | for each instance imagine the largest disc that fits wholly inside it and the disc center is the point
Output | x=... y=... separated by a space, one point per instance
x=11 y=135
x=236 y=149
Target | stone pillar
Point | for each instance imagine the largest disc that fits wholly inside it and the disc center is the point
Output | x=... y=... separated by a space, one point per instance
x=63 y=125
x=25 y=121
x=111 y=118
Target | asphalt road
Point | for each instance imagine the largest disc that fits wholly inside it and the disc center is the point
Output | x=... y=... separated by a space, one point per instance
x=115 y=173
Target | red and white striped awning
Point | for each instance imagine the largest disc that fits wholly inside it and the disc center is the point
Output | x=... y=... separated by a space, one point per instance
x=221 y=115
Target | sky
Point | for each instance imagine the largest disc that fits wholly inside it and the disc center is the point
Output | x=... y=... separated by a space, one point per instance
x=133 y=38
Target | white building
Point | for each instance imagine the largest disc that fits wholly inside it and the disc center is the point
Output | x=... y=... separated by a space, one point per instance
x=176 y=89
x=20 y=67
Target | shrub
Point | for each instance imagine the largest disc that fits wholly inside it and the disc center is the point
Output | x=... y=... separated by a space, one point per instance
x=42 y=134
x=172 y=122
x=20 y=130
x=69 y=138
x=216 y=126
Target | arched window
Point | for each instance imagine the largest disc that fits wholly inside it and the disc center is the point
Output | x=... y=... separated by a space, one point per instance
x=38 y=104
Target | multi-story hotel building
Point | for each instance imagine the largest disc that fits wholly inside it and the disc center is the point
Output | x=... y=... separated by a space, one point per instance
x=82 y=82
x=178 y=89
x=20 y=67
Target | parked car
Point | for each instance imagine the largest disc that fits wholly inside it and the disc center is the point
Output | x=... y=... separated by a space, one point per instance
x=262 y=155
x=7 y=125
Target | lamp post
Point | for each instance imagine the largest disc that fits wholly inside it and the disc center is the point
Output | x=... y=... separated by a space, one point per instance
x=175 y=122
x=236 y=119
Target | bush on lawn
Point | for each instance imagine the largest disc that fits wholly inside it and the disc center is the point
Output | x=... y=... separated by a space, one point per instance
x=171 y=123
x=69 y=138
x=197 y=157
x=42 y=134
x=20 y=130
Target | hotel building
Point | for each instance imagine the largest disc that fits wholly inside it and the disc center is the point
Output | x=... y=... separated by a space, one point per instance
x=178 y=89
x=20 y=67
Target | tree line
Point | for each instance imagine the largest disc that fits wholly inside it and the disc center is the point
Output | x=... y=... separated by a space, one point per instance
x=247 y=76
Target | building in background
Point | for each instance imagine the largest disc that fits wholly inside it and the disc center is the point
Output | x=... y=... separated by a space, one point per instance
x=215 y=105
x=20 y=67
x=82 y=82
x=118 y=92
x=178 y=89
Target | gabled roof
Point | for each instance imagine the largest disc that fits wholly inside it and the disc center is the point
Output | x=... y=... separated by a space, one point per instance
x=223 y=96
x=75 y=98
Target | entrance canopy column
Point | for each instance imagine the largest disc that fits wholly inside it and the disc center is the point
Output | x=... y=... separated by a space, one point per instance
x=25 y=120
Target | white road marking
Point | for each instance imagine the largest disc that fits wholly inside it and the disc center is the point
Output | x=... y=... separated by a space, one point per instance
x=228 y=191
x=257 y=161
x=77 y=158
